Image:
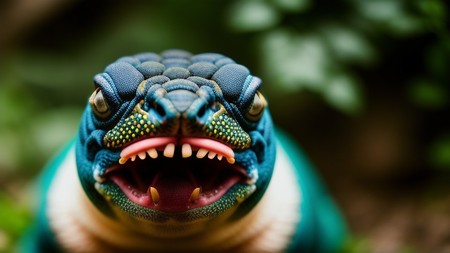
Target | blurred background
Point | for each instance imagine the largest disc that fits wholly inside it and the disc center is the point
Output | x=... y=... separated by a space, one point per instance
x=363 y=86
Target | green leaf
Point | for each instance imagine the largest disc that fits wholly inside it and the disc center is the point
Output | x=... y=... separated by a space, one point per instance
x=438 y=58
x=344 y=93
x=253 y=15
x=14 y=218
x=11 y=150
x=392 y=15
x=428 y=95
x=292 y=5
x=435 y=12
x=347 y=45
x=356 y=244
x=380 y=10
x=434 y=8
x=440 y=153
x=294 y=60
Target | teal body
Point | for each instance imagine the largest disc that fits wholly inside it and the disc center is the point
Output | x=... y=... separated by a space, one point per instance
x=321 y=228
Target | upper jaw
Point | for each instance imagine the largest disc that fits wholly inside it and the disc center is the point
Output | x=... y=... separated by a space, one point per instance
x=203 y=146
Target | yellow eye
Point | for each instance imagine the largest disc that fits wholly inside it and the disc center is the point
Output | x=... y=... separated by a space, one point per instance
x=99 y=105
x=256 y=110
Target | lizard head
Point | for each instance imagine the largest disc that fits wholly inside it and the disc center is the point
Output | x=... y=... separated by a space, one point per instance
x=175 y=137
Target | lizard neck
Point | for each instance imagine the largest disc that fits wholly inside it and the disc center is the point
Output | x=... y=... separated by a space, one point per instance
x=80 y=227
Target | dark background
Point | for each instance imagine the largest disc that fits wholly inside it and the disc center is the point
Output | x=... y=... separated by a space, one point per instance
x=363 y=86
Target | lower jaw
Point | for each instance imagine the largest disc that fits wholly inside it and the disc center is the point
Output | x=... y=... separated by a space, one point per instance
x=226 y=203
x=179 y=205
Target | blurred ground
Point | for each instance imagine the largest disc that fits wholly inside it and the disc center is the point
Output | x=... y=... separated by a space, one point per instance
x=391 y=203
x=363 y=86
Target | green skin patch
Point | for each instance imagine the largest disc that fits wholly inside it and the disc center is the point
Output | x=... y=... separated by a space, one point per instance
x=223 y=127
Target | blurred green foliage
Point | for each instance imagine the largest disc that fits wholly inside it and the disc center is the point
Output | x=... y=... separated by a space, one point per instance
x=329 y=50
x=15 y=219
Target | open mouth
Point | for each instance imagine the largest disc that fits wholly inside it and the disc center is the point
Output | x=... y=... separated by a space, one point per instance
x=176 y=174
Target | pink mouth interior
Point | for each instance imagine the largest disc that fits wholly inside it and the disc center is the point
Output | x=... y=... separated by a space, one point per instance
x=175 y=178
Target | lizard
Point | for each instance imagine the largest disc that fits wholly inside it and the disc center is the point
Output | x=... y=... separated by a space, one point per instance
x=177 y=152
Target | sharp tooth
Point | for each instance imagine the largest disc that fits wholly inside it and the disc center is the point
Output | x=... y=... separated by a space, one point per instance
x=154 y=194
x=123 y=160
x=169 y=150
x=142 y=155
x=195 y=194
x=220 y=157
x=152 y=153
x=230 y=160
x=202 y=153
x=133 y=158
x=186 y=150
x=211 y=155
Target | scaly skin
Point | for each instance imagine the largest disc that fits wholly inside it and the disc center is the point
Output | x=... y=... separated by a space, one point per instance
x=175 y=95
x=184 y=146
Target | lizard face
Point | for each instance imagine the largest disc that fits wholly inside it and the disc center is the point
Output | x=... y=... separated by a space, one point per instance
x=175 y=137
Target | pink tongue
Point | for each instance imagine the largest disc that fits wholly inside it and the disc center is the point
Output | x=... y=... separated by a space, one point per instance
x=174 y=190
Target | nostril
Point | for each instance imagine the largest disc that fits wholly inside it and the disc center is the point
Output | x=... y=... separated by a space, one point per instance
x=201 y=112
x=160 y=110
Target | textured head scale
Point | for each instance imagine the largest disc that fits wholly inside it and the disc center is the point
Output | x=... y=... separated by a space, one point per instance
x=150 y=104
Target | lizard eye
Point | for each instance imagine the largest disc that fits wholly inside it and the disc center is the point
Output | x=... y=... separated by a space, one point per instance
x=99 y=105
x=257 y=108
